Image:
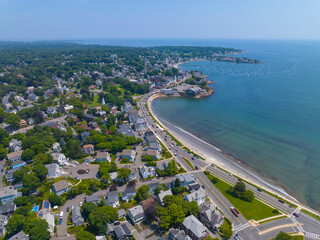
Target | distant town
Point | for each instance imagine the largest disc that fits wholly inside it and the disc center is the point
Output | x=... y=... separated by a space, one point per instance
x=83 y=157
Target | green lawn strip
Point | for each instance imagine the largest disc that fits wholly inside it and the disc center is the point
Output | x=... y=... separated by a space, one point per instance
x=256 y=209
x=174 y=139
x=189 y=163
x=311 y=214
x=271 y=194
x=166 y=154
x=298 y=237
x=74 y=229
x=194 y=154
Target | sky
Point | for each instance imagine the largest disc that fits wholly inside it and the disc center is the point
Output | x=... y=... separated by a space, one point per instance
x=159 y=19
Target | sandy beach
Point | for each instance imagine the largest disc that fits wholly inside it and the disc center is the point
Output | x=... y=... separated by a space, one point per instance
x=214 y=155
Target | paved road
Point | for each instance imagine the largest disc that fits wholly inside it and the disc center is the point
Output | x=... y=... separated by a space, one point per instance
x=310 y=226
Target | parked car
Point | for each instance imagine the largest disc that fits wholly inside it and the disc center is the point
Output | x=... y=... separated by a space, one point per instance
x=68 y=209
x=117 y=223
x=281 y=201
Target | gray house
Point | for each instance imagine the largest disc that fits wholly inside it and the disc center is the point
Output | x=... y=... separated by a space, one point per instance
x=128 y=194
x=112 y=199
x=136 y=214
x=60 y=187
x=93 y=198
x=76 y=217
x=19 y=236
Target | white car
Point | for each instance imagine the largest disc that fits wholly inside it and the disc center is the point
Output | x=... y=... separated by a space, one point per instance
x=80 y=204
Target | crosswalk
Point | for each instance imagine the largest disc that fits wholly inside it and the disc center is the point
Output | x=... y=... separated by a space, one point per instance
x=312 y=235
x=241 y=227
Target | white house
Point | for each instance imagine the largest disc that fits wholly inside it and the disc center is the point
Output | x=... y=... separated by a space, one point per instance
x=199 y=196
x=147 y=172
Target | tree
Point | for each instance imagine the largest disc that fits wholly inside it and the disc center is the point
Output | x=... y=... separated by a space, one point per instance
x=172 y=168
x=74 y=148
x=84 y=235
x=27 y=154
x=239 y=188
x=173 y=215
x=157 y=190
x=40 y=171
x=43 y=158
x=283 y=236
x=248 y=196
x=39 y=230
x=13 y=120
x=123 y=173
x=3 y=153
x=15 y=224
x=54 y=199
x=193 y=208
x=21 y=201
x=105 y=108
x=87 y=208
x=30 y=183
x=143 y=193
x=99 y=218
x=177 y=182
x=19 y=174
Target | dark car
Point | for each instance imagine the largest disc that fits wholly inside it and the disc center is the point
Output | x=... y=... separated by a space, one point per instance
x=295 y=214
x=68 y=209
x=281 y=201
x=239 y=180
x=192 y=158
x=117 y=223
x=259 y=190
x=203 y=187
x=196 y=167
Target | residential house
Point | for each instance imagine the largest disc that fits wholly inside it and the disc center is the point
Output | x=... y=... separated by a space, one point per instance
x=93 y=199
x=14 y=156
x=49 y=217
x=155 y=146
x=194 y=228
x=60 y=187
x=150 y=137
x=128 y=194
x=132 y=176
x=23 y=123
x=56 y=147
x=9 y=175
x=128 y=153
x=15 y=145
x=147 y=172
x=153 y=153
x=193 y=186
x=59 y=157
x=8 y=194
x=89 y=159
x=88 y=117
x=112 y=199
x=122 y=232
x=18 y=164
x=177 y=234
x=3 y=224
x=7 y=208
x=126 y=130
x=76 y=217
x=51 y=110
x=162 y=194
x=121 y=213
x=210 y=216
x=185 y=179
x=19 y=236
x=88 y=149
x=103 y=157
x=44 y=208
x=136 y=214
x=113 y=175
x=199 y=196
x=53 y=170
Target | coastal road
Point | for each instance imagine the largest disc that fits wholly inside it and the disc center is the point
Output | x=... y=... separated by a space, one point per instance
x=311 y=226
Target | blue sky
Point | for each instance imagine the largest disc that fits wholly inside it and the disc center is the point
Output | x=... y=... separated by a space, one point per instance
x=100 y=19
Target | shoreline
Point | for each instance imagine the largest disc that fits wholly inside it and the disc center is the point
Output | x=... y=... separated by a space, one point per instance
x=225 y=161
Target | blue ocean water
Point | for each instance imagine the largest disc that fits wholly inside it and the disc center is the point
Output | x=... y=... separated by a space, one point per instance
x=267 y=115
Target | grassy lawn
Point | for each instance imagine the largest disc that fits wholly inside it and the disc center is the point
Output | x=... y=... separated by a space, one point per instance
x=73 y=229
x=95 y=102
x=164 y=152
x=250 y=210
x=189 y=163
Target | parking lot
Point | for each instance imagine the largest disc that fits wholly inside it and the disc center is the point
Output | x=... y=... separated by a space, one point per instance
x=83 y=171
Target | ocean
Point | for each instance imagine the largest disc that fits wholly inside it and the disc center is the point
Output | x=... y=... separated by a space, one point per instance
x=267 y=115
